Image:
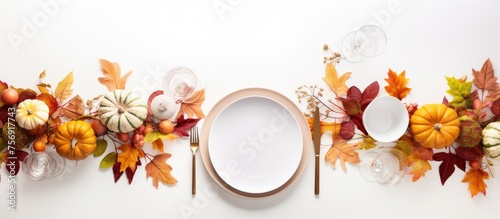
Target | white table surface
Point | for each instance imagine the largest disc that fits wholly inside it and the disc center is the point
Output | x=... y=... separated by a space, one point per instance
x=234 y=44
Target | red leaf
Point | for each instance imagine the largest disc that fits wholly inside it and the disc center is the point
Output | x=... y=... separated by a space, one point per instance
x=447 y=166
x=182 y=125
x=369 y=94
x=346 y=130
x=26 y=94
x=116 y=171
x=4 y=113
x=495 y=108
x=358 y=121
x=50 y=101
x=150 y=99
x=354 y=93
x=467 y=153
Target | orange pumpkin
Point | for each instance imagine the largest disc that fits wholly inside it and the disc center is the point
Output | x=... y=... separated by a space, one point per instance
x=435 y=126
x=75 y=140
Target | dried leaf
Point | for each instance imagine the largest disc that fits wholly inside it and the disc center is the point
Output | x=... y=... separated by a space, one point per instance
x=112 y=75
x=63 y=89
x=475 y=178
x=108 y=161
x=367 y=143
x=192 y=105
x=158 y=145
x=397 y=85
x=336 y=83
x=74 y=108
x=129 y=157
x=160 y=171
x=485 y=80
x=153 y=136
x=43 y=87
x=419 y=168
x=345 y=152
x=182 y=125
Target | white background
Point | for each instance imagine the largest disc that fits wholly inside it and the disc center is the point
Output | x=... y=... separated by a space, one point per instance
x=234 y=44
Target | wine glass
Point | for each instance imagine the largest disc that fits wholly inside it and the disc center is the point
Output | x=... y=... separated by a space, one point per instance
x=180 y=82
x=387 y=168
x=368 y=41
x=41 y=165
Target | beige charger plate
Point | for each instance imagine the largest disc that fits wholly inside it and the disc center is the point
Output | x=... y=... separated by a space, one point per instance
x=251 y=93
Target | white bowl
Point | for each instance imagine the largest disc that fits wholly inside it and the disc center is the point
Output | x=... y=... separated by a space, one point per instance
x=386 y=119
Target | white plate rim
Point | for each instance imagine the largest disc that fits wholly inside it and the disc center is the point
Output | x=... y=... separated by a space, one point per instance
x=255 y=92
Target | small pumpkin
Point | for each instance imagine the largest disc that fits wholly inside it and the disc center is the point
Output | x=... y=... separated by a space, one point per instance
x=75 y=140
x=435 y=126
x=122 y=111
x=31 y=113
x=491 y=140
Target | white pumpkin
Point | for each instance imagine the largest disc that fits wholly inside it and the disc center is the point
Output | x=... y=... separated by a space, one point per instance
x=491 y=140
x=163 y=107
x=31 y=113
x=122 y=111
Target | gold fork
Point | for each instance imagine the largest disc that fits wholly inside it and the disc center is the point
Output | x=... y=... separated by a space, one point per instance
x=194 y=140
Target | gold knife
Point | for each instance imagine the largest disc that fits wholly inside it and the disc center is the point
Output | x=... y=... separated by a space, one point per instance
x=317 y=141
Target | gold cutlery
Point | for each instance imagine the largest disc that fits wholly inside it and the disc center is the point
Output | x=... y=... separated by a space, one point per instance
x=317 y=141
x=194 y=140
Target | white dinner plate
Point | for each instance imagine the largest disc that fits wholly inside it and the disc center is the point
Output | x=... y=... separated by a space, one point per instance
x=255 y=142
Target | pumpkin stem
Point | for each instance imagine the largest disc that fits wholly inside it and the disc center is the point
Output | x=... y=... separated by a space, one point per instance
x=162 y=107
x=120 y=110
x=29 y=112
x=73 y=143
x=438 y=126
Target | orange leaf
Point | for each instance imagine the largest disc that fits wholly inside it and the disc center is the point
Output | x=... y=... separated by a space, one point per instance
x=43 y=87
x=112 y=75
x=336 y=83
x=192 y=105
x=397 y=84
x=343 y=151
x=50 y=101
x=129 y=156
x=485 y=79
x=74 y=108
x=475 y=178
x=160 y=171
x=419 y=168
x=63 y=89
x=158 y=144
x=333 y=127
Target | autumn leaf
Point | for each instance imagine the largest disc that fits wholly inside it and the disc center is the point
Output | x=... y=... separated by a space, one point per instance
x=192 y=105
x=129 y=156
x=345 y=152
x=74 y=108
x=182 y=125
x=417 y=156
x=447 y=166
x=475 y=178
x=155 y=135
x=108 y=161
x=419 y=168
x=336 y=82
x=485 y=80
x=50 y=101
x=460 y=90
x=158 y=145
x=63 y=89
x=397 y=84
x=112 y=75
x=43 y=87
x=367 y=143
x=160 y=171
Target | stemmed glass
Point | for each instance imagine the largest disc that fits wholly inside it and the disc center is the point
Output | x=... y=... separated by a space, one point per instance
x=180 y=82
x=368 y=41
x=387 y=168
x=42 y=165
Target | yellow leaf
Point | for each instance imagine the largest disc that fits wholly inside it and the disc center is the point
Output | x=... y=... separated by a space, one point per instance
x=192 y=105
x=43 y=87
x=367 y=143
x=397 y=85
x=112 y=75
x=475 y=178
x=336 y=83
x=345 y=152
x=158 y=144
x=129 y=156
x=63 y=89
x=160 y=171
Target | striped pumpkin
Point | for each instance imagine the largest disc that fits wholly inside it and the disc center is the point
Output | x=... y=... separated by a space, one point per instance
x=122 y=111
x=491 y=140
